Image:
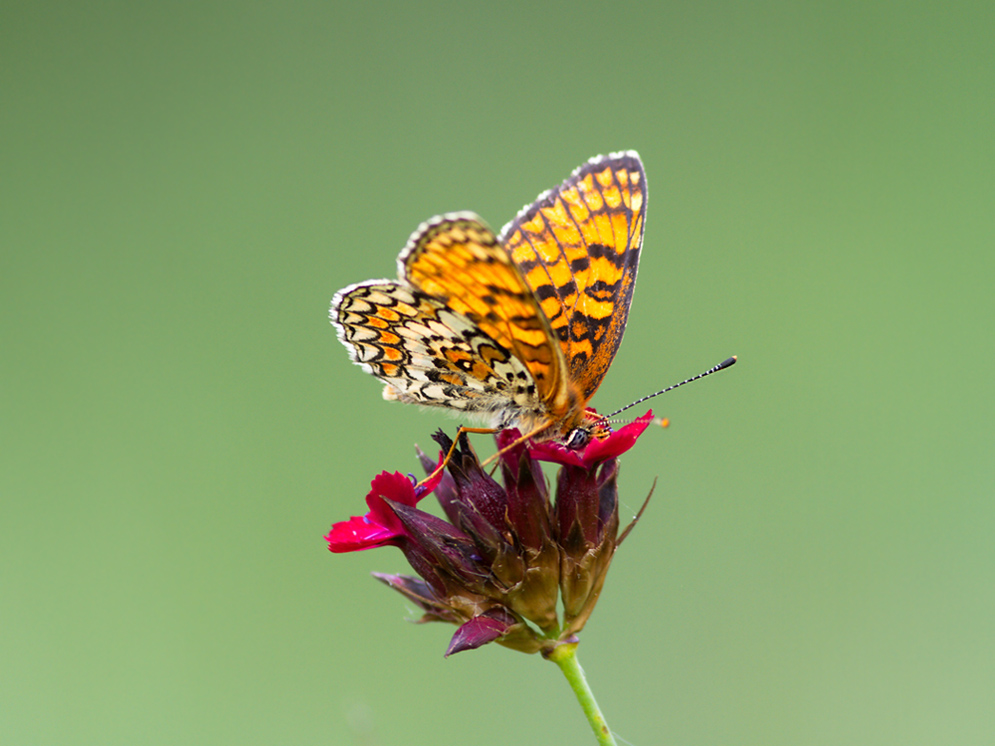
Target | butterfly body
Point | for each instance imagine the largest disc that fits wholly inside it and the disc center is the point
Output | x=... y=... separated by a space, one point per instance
x=518 y=329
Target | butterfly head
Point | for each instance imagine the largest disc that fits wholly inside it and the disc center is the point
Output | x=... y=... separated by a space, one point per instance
x=591 y=427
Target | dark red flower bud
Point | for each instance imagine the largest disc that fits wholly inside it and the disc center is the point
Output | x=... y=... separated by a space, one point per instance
x=588 y=540
x=494 y=625
x=528 y=505
x=480 y=503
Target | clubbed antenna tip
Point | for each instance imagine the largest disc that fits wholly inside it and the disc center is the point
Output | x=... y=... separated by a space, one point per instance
x=727 y=363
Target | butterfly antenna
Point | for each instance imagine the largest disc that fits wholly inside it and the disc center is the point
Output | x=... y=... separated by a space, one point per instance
x=728 y=363
x=661 y=421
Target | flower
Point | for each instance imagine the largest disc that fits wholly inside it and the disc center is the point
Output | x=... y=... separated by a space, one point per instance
x=380 y=527
x=508 y=558
x=596 y=450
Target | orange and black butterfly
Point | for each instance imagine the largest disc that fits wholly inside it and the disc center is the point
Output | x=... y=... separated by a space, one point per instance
x=519 y=328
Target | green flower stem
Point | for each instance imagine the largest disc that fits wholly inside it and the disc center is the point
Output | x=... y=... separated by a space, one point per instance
x=565 y=656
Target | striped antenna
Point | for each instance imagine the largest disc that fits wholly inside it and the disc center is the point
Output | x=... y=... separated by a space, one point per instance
x=728 y=363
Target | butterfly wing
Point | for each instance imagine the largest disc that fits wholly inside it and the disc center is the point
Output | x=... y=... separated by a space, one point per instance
x=457 y=260
x=425 y=352
x=578 y=248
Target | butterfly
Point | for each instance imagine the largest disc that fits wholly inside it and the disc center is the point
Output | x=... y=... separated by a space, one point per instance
x=517 y=329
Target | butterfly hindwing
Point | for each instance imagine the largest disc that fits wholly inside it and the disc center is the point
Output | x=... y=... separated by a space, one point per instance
x=425 y=352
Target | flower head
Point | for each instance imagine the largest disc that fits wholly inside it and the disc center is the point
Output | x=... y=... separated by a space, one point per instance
x=508 y=553
x=596 y=451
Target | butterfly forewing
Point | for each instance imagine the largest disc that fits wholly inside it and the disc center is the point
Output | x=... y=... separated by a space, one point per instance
x=578 y=248
x=456 y=259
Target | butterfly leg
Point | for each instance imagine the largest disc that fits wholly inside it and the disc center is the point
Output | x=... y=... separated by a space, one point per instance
x=517 y=442
x=459 y=431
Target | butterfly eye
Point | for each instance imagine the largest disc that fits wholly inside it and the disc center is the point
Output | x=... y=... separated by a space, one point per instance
x=577 y=439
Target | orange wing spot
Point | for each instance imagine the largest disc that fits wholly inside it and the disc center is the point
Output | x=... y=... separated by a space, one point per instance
x=535 y=338
x=505 y=281
x=593 y=199
x=603 y=226
x=377 y=323
x=579 y=210
x=570 y=194
x=560 y=274
x=388 y=314
x=406 y=309
x=590 y=230
x=568 y=301
x=491 y=354
x=537 y=277
x=582 y=346
x=536 y=225
x=393 y=354
x=568 y=235
x=594 y=309
x=605 y=270
x=605 y=177
x=481 y=372
x=390 y=370
x=613 y=198
x=550 y=307
x=452 y=378
x=621 y=225
x=389 y=338
x=581 y=279
x=575 y=251
x=557 y=214
x=543 y=356
x=523 y=252
x=626 y=198
x=578 y=206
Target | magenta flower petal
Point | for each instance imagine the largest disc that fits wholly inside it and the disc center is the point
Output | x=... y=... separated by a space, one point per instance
x=358 y=533
x=381 y=526
x=596 y=451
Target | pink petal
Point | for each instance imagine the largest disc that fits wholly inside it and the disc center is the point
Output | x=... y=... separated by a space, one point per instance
x=596 y=451
x=358 y=533
x=380 y=526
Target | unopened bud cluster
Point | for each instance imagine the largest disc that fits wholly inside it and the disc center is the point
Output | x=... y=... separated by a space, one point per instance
x=508 y=553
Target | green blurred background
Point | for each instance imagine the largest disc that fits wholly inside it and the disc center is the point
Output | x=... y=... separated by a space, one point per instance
x=185 y=185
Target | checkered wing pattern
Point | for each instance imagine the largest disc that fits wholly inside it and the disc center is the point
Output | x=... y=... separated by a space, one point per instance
x=426 y=353
x=578 y=248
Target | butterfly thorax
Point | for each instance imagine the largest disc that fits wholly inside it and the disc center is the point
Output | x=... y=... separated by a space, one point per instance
x=573 y=429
